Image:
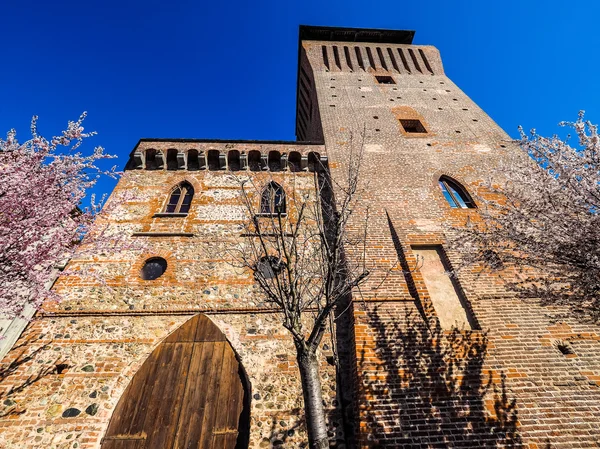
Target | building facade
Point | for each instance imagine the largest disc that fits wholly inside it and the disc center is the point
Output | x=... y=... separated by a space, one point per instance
x=138 y=354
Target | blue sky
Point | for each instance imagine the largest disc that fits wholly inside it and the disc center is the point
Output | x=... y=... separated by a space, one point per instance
x=228 y=69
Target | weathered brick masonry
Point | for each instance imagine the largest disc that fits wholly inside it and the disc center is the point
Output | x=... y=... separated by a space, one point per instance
x=499 y=381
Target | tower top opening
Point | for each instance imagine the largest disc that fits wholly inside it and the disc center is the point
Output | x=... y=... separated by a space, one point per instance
x=342 y=34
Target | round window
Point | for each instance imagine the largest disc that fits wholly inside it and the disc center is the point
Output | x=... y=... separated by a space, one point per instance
x=154 y=268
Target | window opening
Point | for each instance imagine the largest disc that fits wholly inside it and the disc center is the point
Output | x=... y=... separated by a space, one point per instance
x=180 y=199
x=192 y=160
x=393 y=59
x=272 y=201
x=414 y=58
x=233 y=160
x=336 y=57
x=150 y=159
x=269 y=267
x=404 y=61
x=412 y=126
x=359 y=58
x=325 y=57
x=371 y=60
x=385 y=80
x=348 y=59
x=153 y=268
x=314 y=161
x=294 y=161
x=172 y=160
x=254 y=160
x=455 y=194
x=422 y=53
x=381 y=58
x=274 y=161
x=213 y=160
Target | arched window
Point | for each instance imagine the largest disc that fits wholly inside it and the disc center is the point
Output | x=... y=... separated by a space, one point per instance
x=294 y=161
x=180 y=199
x=172 y=163
x=272 y=201
x=233 y=160
x=455 y=194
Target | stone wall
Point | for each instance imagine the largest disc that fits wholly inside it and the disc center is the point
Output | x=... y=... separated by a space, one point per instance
x=86 y=348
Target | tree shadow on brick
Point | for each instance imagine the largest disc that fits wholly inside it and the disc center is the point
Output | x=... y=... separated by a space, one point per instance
x=427 y=388
x=8 y=405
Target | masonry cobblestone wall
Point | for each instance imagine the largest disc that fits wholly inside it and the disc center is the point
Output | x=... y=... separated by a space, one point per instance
x=105 y=326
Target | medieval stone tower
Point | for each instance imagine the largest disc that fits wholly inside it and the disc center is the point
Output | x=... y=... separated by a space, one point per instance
x=177 y=348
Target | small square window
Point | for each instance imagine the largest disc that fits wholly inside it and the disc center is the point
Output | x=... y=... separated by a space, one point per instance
x=385 y=80
x=412 y=126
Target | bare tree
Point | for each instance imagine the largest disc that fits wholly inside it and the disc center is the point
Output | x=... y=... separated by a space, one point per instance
x=542 y=218
x=294 y=243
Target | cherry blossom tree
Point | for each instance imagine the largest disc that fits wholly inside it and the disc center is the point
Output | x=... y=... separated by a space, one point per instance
x=42 y=185
x=544 y=220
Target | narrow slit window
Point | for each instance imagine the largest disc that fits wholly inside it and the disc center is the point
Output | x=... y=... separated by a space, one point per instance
x=455 y=194
x=336 y=57
x=370 y=58
x=422 y=53
x=180 y=199
x=393 y=59
x=412 y=126
x=404 y=61
x=272 y=201
x=414 y=58
x=381 y=58
x=325 y=56
x=359 y=57
x=348 y=59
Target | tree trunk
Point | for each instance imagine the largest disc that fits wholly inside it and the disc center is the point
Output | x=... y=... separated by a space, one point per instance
x=313 y=398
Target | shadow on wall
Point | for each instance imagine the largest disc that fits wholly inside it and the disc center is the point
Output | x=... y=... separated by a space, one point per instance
x=431 y=389
x=10 y=405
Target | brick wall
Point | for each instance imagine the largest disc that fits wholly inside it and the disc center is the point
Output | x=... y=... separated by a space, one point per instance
x=503 y=384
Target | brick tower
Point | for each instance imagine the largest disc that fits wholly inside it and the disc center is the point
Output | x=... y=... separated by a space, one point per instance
x=427 y=148
x=174 y=337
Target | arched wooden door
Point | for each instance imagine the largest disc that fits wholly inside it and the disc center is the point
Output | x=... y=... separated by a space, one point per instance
x=189 y=394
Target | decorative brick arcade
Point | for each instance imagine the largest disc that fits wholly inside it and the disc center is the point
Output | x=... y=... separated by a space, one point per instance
x=512 y=374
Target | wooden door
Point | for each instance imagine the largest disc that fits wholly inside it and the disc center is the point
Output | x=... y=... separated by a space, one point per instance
x=189 y=394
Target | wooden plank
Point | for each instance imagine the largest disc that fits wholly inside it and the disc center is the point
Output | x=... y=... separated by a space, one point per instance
x=236 y=396
x=211 y=404
x=186 y=332
x=206 y=330
x=163 y=413
x=123 y=444
x=135 y=396
x=192 y=412
x=155 y=381
x=223 y=400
